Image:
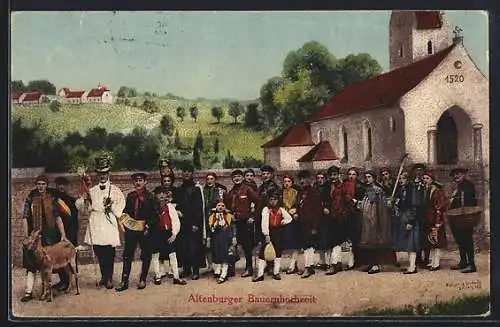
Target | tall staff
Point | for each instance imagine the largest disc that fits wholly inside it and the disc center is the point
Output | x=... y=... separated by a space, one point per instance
x=84 y=191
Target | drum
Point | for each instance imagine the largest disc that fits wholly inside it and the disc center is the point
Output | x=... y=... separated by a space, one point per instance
x=464 y=217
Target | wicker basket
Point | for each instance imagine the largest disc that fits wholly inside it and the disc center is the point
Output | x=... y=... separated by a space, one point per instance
x=464 y=217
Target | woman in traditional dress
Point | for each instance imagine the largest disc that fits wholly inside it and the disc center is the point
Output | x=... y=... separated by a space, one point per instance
x=406 y=234
x=375 y=242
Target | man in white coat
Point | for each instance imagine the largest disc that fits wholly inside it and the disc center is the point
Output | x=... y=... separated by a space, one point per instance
x=105 y=203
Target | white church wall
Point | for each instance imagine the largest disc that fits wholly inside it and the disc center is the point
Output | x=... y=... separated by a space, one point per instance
x=443 y=89
x=290 y=155
x=387 y=125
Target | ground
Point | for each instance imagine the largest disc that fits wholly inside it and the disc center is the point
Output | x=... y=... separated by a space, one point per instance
x=341 y=294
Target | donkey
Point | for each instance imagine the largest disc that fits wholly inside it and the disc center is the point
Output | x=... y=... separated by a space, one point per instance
x=51 y=258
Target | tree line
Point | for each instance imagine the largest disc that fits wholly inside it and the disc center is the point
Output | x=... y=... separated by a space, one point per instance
x=44 y=86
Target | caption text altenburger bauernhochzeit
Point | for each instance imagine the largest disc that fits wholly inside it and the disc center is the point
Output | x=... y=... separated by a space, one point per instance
x=251 y=298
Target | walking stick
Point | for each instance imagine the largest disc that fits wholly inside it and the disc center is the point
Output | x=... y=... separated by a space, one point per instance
x=401 y=164
x=86 y=182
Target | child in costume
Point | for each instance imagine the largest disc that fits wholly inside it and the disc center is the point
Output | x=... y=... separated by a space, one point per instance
x=222 y=239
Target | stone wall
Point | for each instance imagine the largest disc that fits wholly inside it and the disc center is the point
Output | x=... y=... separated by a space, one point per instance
x=22 y=186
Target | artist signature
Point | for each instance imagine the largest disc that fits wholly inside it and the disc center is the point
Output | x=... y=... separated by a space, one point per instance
x=468 y=284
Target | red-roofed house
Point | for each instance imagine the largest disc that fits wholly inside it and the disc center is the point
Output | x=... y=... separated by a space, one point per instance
x=69 y=96
x=31 y=98
x=433 y=104
x=100 y=94
x=14 y=97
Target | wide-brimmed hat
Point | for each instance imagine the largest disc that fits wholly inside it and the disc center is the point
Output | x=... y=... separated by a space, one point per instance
x=42 y=178
x=267 y=168
x=371 y=172
x=102 y=164
x=237 y=172
x=418 y=166
x=139 y=175
x=304 y=174
x=458 y=170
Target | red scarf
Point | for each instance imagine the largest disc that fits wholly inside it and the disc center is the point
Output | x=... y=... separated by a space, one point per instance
x=274 y=217
x=165 y=220
x=140 y=197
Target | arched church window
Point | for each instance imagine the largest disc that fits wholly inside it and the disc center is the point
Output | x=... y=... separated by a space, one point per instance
x=400 y=50
x=345 y=144
x=320 y=135
x=392 y=124
x=368 y=140
x=429 y=47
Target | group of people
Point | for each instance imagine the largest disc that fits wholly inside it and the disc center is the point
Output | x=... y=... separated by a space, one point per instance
x=194 y=226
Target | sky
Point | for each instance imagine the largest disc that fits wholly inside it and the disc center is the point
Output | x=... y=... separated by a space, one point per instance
x=199 y=54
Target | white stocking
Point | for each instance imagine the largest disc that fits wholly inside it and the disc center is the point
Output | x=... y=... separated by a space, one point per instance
x=217 y=268
x=261 y=265
x=293 y=261
x=30 y=282
x=173 y=264
x=336 y=255
x=155 y=264
x=437 y=255
x=224 y=270
x=277 y=266
x=412 y=258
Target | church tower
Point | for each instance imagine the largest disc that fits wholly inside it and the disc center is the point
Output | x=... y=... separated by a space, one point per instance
x=414 y=35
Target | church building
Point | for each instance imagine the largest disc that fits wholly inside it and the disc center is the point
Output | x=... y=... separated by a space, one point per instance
x=433 y=104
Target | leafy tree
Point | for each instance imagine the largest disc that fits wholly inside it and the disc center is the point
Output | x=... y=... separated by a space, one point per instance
x=114 y=139
x=252 y=115
x=235 y=110
x=149 y=106
x=147 y=94
x=55 y=106
x=134 y=104
x=17 y=86
x=41 y=85
x=132 y=92
x=269 y=110
x=126 y=102
x=122 y=92
x=196 y=158
x=95 y=138
x=193 y=111
x=181 y=113
x=198 y=143
x=229 y=161
x=358 y=67
x=177 y=141
x=167 y=125
x=216 y=145
x=73 y=139
x=217 y=113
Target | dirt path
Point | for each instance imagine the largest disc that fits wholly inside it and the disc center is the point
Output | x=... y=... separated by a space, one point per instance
x=341 y=294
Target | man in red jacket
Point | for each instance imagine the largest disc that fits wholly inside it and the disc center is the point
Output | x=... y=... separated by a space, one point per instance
x=310 y=211
x=239 y=200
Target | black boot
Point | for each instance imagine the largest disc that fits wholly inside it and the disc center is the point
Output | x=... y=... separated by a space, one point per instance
x=127 y=266
x=196 y=274
x=109 y=267
x=309 y=271
x=248 y=272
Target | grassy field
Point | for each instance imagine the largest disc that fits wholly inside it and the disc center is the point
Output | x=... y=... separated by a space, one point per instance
x=120 y=118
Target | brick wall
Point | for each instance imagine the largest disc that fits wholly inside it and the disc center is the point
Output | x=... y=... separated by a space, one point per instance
x=22 y=186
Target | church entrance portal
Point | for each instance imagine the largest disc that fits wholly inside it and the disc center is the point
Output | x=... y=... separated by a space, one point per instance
x=454 y=137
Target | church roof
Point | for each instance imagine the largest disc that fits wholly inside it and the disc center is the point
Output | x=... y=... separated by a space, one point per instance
x=297 y=135
x=380 y=91
x=428 y=20
x=320 y=152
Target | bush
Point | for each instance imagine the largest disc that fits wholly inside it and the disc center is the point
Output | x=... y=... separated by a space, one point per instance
x=55 y=106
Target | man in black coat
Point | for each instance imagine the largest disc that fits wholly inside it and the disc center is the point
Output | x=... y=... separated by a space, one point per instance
x=463 y=195
x=193 y=227
x=418 y=187
x=142 y=207
x=69 y=216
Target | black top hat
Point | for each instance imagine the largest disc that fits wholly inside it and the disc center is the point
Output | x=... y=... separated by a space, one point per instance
x=458 y=170
x=333 y=169
x=304 y=174
x=61 y=181
x=419 y=166
x=236 y=172
x=139 y=175
x=102 y=164
x=267 y=168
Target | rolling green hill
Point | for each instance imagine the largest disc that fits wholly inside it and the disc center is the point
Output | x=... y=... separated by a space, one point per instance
x=120 y=118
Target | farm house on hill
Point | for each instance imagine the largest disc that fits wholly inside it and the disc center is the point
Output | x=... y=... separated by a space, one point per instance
x=32 y=98
x=15 y=96
x=98 y=95
x=68 y=96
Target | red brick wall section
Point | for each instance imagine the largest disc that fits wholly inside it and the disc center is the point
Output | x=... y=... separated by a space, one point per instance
x=22 y=186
